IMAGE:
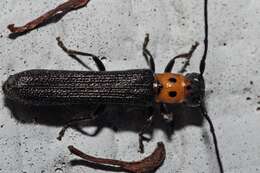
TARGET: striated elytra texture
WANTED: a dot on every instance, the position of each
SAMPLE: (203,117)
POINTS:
(55,87)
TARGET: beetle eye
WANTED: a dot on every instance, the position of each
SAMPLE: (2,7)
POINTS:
(172,93)
(189,87)
(173,80)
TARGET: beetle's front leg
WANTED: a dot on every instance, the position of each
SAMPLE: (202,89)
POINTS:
(187,56)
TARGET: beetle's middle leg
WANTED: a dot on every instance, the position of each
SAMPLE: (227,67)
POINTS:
(73,53)
(169,118)
(147,55)
(166,114)
(148,124)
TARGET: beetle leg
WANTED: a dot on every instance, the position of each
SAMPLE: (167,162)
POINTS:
(147,55)
(73,53)
(148,124)
(187,56)
(166,114)
(84,120)
(73,123)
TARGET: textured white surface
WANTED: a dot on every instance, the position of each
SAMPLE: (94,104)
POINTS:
(115,29)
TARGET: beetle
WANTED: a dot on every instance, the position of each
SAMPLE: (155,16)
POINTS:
(131,87)
(137,87)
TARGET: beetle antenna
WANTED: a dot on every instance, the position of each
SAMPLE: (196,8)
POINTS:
(202,69)
(203,60)
(212,130)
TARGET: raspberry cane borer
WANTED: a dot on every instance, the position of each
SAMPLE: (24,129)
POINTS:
(131,87)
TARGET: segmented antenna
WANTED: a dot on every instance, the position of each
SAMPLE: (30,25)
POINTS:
(202,69)
(203,60)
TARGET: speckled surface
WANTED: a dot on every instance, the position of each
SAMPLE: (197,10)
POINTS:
(116,29)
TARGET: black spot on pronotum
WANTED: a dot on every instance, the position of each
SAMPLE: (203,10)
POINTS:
(173,80)
(172,93)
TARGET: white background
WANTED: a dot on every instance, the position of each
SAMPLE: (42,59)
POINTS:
(116,29)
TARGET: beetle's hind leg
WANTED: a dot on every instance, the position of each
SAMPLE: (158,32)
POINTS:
(147,55)
(73,53)
(75,123)
(187,56)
